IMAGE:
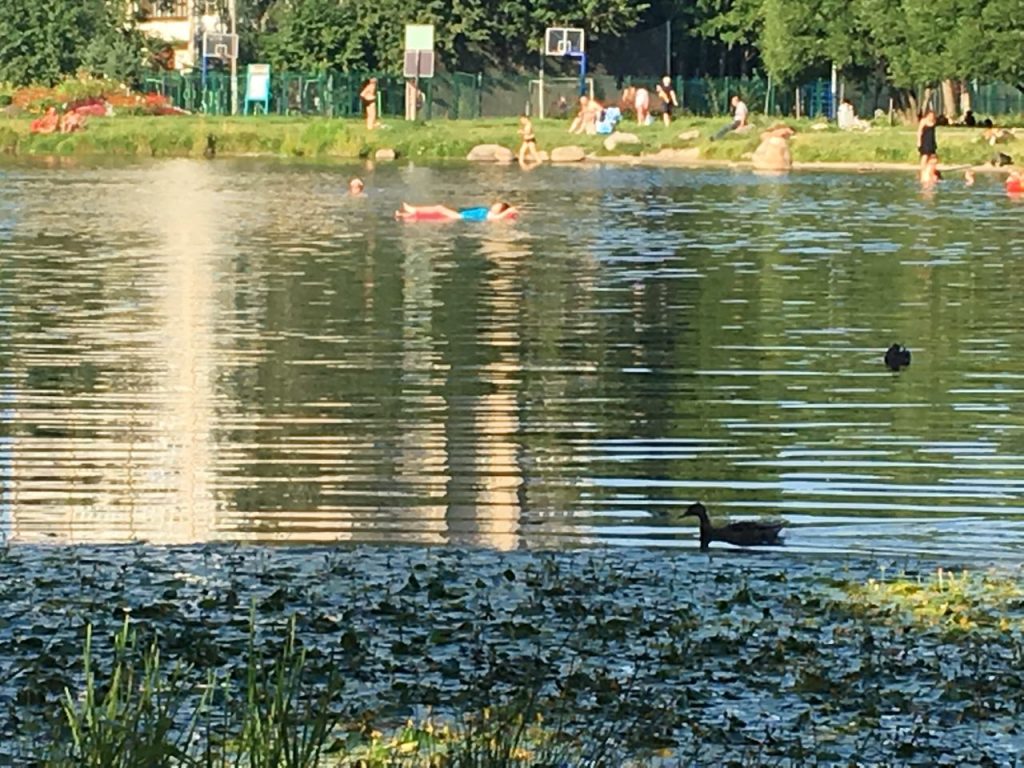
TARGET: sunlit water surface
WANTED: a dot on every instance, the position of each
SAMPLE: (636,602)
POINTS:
(231,350)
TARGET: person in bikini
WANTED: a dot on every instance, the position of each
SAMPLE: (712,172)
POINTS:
(496,212)
(528,154)
(368,96)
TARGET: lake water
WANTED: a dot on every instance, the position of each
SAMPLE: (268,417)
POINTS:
(236,350)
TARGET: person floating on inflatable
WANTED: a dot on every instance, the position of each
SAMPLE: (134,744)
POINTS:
(1014,183)
(497,212)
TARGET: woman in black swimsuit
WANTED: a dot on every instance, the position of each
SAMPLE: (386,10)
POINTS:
(926,144)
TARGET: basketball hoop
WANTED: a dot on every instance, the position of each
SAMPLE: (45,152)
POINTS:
(218,45)
(564,42)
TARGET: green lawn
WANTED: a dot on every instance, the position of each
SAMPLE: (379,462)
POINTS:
(348,138)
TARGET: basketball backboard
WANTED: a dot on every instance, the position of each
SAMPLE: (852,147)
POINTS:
(564,41)
(217,45)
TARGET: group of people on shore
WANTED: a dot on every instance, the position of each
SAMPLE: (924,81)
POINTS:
(638,100)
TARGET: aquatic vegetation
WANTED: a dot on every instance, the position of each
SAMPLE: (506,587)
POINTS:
(321,657)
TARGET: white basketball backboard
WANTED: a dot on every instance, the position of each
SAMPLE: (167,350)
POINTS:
(220,46)
(564,41)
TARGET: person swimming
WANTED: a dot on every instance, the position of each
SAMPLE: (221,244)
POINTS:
(496,212)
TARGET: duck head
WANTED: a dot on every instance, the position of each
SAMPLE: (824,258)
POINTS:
(697,510)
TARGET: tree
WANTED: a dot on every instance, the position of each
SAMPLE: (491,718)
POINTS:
(42,41)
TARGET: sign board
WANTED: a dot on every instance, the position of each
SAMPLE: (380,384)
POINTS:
(419,37)
(418,64)
(257,86)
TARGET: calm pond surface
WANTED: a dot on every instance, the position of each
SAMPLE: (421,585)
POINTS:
(236,350)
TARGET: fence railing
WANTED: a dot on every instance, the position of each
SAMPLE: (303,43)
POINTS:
(462,95)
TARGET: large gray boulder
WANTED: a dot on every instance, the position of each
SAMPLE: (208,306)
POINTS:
(772,154)
(384,155)
(618,138)
(570,154)
(491,153)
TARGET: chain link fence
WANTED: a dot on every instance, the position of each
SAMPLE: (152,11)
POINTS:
(461,96)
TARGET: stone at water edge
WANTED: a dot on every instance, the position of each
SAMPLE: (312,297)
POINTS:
(618,138)
(772,155)
(691,135)
(384,155)
(490,153)
(570,154)
(687,155)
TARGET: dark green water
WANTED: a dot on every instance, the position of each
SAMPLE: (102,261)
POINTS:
(197,351)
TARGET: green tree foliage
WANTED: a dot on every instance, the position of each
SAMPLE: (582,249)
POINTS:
(469,34)
(42,41)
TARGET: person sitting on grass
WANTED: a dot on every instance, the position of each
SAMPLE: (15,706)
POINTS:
(496,212)
(588,117)
(740,114)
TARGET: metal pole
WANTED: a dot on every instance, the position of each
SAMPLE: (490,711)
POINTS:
(234,57)
(668,47)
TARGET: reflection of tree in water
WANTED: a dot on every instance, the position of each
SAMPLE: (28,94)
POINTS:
(483,396)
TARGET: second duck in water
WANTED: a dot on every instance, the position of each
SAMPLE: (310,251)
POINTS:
(744,533)
(897,356)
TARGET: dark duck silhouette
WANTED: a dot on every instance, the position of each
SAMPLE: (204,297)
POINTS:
(210,151)
(745,533)
(897,356)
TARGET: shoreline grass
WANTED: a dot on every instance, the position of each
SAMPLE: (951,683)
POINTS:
(325,138)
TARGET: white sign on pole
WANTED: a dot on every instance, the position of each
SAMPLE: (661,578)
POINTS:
(419,37)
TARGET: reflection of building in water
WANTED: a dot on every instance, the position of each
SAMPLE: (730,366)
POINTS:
(130,457)
(486,475)
(422,444)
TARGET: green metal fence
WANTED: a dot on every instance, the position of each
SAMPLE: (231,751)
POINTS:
(460,95)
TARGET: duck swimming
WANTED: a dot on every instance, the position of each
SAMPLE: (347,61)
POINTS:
(897,356)
(745,533)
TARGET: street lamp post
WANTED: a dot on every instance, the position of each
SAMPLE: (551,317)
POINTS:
(234,58)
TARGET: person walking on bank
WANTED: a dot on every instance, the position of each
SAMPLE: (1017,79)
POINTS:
(369,98)
(927,147)
(667,94)
(528,154)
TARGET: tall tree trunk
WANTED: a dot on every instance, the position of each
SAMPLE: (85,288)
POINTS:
(965,97)
(949,105)
(906,105)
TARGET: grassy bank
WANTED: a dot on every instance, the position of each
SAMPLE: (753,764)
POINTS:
(348,139)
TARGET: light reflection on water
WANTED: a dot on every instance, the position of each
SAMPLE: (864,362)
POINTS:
(237,350)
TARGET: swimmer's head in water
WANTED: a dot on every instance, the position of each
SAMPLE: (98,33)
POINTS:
(499,208)
(356,186)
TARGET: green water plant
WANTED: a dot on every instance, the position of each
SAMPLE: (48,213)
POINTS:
(134,719)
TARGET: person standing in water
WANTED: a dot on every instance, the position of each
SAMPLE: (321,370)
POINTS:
(927,147)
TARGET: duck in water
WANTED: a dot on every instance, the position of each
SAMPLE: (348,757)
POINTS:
(897,357)
(745,533)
